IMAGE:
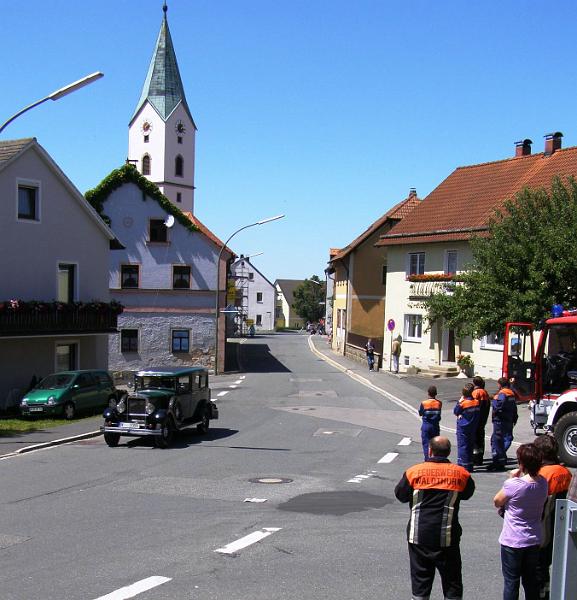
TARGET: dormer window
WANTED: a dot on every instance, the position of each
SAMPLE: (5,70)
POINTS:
(178,166)
(146,139)
(146,164)
(179,139)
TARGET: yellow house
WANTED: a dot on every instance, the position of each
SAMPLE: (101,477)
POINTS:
(431,246)
(285,315)
(359,274)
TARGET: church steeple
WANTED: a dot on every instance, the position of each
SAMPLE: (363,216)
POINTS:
(161,132)
(163,86)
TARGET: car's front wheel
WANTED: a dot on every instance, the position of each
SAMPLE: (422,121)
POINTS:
(166,434)
(204,425)
(69,411)
(111,439)
(566,436)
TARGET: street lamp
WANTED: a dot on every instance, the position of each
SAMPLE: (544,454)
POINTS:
(68,89)
(217,301)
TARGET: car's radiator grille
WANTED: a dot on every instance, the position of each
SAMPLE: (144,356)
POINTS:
(136,406)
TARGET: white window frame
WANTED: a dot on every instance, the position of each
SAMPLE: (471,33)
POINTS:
(258,321)
(261,297)
(447,253)
(485,345)
(420,267)
(67,342)
(406,327)
(37,185)
(76,277)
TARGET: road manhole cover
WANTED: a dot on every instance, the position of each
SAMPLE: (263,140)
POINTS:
(270,480)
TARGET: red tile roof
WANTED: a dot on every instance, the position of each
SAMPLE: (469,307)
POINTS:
(464,202)
(393,215)
(206,231)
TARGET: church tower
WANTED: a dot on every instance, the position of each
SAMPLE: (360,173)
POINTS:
(161,133)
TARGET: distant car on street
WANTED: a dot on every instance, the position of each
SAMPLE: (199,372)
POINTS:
(164,400)
(68,392)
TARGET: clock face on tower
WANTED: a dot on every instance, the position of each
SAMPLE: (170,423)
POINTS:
(146,127)
(180,128)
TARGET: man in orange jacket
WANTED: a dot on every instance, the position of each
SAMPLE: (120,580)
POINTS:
(434,490)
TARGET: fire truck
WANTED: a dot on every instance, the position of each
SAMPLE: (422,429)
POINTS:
(546,376)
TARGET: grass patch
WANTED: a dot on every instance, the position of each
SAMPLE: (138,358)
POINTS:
(17,426)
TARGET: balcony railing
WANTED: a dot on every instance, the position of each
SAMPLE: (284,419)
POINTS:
(18,318)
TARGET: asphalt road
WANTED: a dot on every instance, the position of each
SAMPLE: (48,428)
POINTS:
(84,521)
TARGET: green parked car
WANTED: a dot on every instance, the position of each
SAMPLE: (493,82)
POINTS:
(69,392)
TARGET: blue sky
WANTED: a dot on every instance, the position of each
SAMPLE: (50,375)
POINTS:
(326,111)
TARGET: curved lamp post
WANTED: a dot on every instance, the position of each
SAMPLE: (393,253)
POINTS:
(217,301)
(68,89)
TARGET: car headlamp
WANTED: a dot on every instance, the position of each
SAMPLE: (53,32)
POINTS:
(149,408)
(112,403)
(51,401)
(121,406)
(24,402)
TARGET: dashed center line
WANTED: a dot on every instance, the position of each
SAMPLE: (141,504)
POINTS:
(136,588)
(389,457)
(242,377)
(238,381)
(222,393)
(247,540)
(406,441)
(232,387)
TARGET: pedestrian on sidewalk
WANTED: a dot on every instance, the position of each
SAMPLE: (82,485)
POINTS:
(467,412)
(370,352)
(520,501)
(430,412)
(396,352)
(480,394)
(558,479)
(504,417)
(434,490)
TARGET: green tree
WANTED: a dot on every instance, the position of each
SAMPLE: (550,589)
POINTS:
(309,299)
(527,263)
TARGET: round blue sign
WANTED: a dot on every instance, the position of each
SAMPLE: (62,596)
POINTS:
(391,325)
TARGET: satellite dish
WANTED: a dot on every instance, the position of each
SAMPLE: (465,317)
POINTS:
(169,221)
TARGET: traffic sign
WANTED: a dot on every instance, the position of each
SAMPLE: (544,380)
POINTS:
(391,325)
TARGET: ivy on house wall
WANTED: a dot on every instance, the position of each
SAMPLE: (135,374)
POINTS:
(129,174)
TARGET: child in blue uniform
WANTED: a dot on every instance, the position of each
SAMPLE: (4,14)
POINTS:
(430,411)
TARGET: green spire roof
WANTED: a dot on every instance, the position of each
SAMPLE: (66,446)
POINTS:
(163,87)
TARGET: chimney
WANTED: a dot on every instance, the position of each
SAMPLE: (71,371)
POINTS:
(523,147)
(552,142)
(412,192)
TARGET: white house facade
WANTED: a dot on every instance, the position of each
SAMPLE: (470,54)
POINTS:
(54,299)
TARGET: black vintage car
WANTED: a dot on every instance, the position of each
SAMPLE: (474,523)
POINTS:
(163,401)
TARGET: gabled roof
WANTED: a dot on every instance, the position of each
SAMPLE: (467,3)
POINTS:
(463,204)
(163,86)
(394,215)
(11,148)
(245,259)
(207,232)
(288,286)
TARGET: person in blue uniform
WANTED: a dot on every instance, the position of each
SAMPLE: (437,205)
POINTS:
(467,412)
(430,412)
(504,417)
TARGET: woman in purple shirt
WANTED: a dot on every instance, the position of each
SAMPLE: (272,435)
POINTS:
(520,501)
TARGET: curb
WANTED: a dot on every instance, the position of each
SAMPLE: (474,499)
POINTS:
(59,442)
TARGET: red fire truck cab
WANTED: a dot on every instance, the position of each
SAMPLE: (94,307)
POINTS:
(546,377)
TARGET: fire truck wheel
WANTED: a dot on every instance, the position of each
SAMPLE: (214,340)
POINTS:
(566,436)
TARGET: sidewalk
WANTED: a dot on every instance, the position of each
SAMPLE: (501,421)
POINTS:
(412,389)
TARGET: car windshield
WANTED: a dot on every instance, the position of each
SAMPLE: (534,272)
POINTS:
(154,382)
(54,382)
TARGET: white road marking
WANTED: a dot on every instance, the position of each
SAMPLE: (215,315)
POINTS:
(404,442)
(359,478)
(232,386)
(238,381)
(242,377)
(136,588)
(247,540)
(389,457)
(255,500)
(222,393)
